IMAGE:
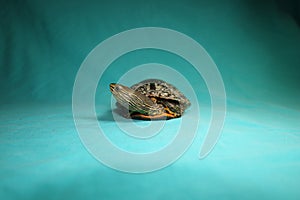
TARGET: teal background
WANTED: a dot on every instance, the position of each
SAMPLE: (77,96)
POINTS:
(256,46)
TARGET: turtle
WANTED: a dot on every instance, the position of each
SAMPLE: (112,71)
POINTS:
(151,99)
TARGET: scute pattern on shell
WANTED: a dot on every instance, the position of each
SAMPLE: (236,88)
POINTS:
(160,89)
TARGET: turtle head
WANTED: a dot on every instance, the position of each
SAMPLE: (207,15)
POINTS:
(134,101)
(122,94)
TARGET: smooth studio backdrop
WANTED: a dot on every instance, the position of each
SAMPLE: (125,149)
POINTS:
(256,46)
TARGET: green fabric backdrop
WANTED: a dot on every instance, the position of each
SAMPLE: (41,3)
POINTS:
(256,46)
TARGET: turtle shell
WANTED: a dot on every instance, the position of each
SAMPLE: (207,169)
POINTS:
(163,93)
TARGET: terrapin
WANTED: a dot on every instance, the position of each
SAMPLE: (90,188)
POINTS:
(150,99)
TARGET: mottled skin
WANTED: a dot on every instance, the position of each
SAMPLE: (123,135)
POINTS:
(150,99)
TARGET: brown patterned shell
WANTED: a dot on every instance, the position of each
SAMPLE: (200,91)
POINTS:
(158,89)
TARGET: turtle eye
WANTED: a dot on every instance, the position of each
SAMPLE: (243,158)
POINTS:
(117,88)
